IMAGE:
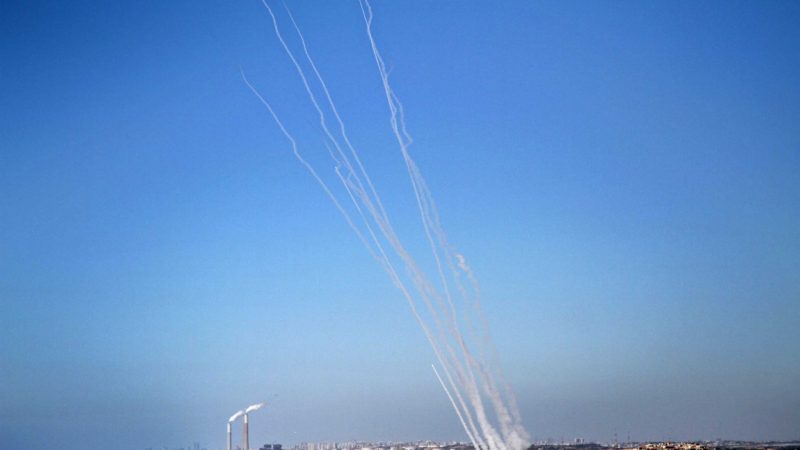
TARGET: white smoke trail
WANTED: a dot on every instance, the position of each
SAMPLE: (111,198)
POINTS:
(511,428)
(462,370)
(354,189)
(455,407)
(308,166)
(332,105)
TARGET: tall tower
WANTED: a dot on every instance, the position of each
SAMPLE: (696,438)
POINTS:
(247,412)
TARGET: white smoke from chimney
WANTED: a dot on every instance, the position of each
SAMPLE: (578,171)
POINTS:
(252,408)
(235,416)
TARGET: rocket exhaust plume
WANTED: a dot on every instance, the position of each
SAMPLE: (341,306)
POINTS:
(455,407)
(447,309)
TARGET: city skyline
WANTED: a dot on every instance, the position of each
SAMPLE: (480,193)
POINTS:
(545,444)
(620,176)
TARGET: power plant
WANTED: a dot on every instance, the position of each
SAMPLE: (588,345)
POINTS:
(245,431)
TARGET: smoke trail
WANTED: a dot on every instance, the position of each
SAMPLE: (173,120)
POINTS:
(355,190)
(458,411)
(509,420)
(469,378)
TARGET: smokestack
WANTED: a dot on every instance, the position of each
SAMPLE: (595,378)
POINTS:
(231,420)
(246,434)
(247,411)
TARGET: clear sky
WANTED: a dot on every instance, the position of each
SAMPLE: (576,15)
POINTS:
(623,177)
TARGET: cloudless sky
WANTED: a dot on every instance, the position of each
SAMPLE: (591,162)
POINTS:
(623,177)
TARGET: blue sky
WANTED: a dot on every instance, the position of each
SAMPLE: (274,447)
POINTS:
(621,175)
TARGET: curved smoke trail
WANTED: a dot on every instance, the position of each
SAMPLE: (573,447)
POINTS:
(440,312)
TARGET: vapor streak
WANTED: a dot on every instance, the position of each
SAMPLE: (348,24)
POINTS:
(471,379)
